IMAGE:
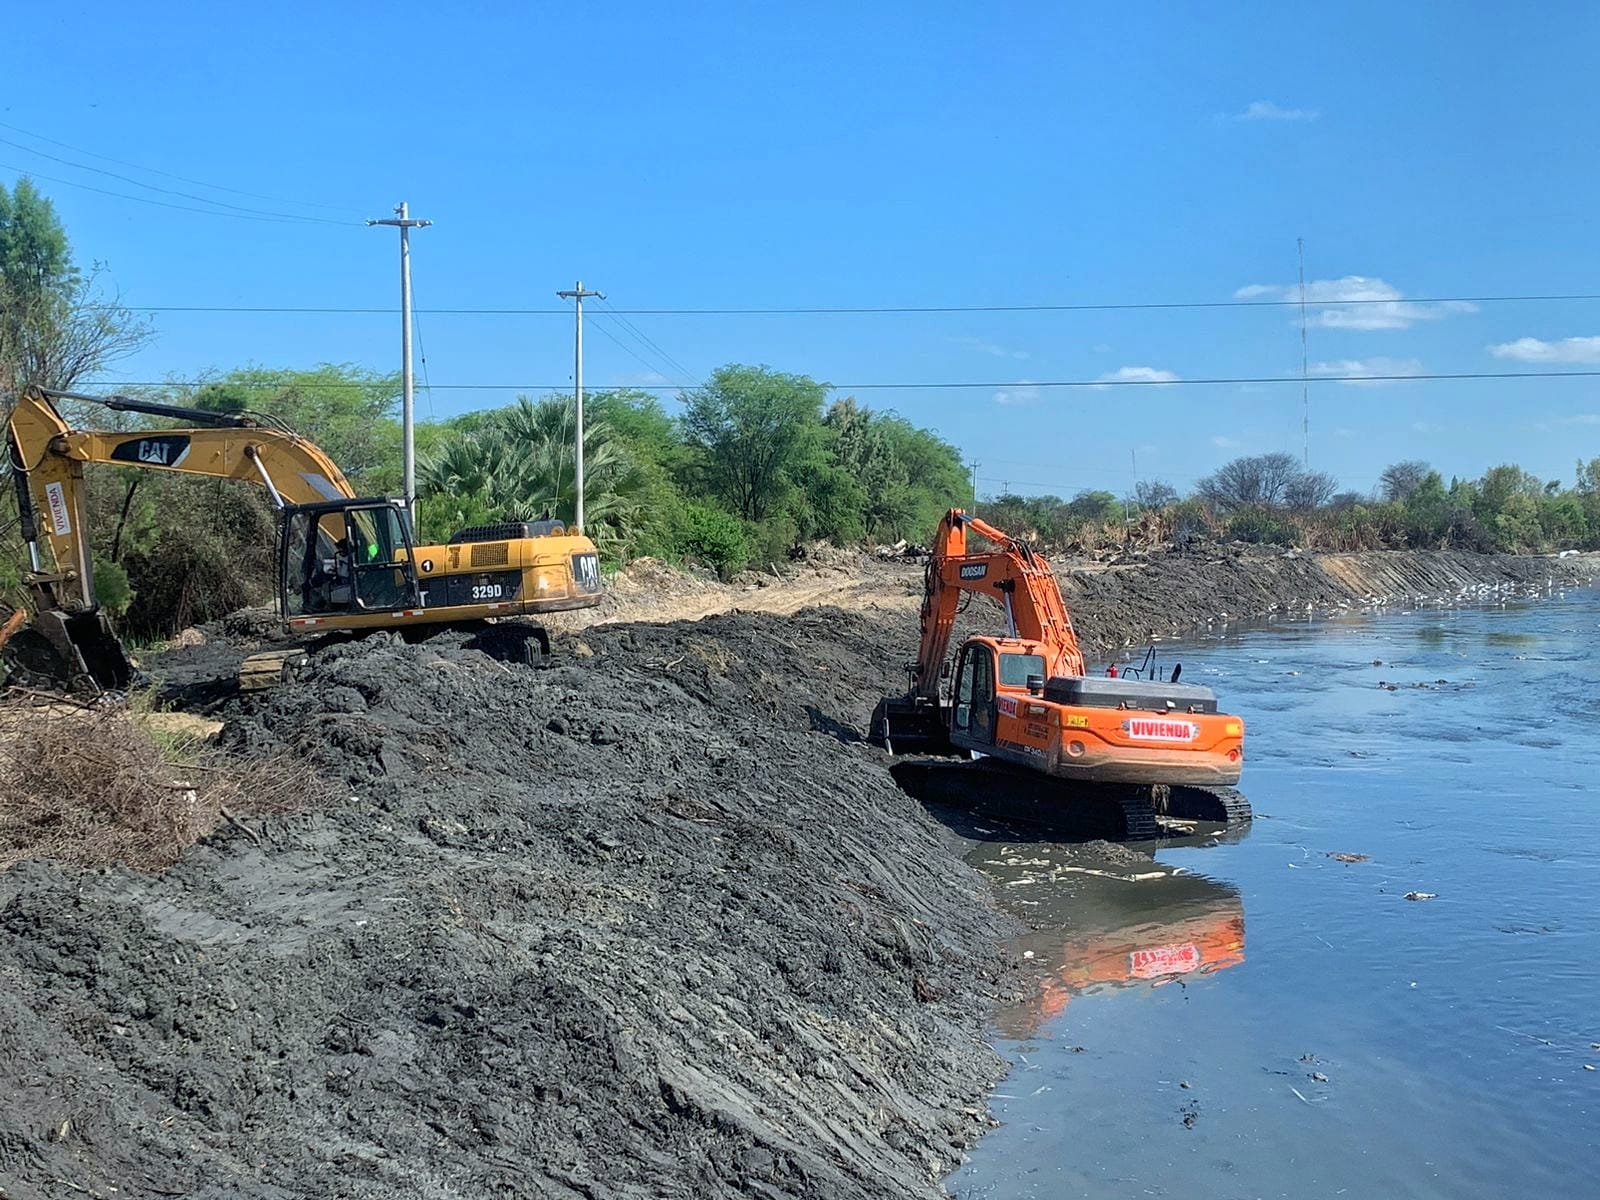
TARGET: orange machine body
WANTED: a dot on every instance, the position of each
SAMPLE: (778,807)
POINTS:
(1137,741)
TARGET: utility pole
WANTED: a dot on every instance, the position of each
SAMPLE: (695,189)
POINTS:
(403,221)
(579,294)
(1305,362)
(972,469)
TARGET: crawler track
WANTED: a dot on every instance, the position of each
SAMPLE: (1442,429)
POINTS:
(1222,805)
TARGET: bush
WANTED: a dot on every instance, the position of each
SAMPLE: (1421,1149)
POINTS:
(112,590)
(102,786)
(710,536)
(771,540)
(1258,526)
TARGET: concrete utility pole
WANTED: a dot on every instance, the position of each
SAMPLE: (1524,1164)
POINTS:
(1305,356)
(579,294)
(403,221)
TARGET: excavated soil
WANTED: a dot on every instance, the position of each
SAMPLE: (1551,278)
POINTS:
(652,923)
(655,922)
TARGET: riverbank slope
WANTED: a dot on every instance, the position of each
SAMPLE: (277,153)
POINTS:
(655,922)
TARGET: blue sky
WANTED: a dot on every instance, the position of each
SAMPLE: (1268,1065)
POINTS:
(930,154)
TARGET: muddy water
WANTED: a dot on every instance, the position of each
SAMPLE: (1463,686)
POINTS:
(1261,1019)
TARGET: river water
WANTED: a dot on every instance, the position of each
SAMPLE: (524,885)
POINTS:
(1259,1019)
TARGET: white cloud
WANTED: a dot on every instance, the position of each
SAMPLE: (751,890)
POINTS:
(1224,443)
(1138,375)
(1567,350)
(1266,110)
(1360,372)
(1426,427)
(1024,392)
(642,379)
(985,346)
(1356,302)
(1582,419)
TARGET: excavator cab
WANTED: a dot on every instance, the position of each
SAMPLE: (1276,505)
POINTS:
(346,557)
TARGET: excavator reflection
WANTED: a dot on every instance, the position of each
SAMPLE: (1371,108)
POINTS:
(1122,927)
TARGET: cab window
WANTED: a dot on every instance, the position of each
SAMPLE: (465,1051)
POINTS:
(1015,668)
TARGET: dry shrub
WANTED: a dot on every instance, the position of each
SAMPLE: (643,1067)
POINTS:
(96,787)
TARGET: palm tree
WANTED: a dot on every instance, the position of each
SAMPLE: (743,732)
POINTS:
(521,465)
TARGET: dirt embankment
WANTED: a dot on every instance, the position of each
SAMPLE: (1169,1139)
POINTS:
(655,922)
(652,923)
(1173,595)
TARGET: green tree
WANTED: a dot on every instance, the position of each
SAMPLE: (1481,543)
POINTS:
(520,464)
(54,327)
(349,411)
(756,428)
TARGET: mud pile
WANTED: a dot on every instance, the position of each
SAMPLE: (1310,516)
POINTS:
(654,922)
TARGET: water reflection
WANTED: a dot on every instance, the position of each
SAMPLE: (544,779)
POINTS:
(1103,925)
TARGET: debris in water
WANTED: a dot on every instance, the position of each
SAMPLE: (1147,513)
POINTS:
(1319,1077)
(1340,856)
(1184,1084)
(1421,895)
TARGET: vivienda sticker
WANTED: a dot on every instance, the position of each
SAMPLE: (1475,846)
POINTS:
(1164,960)
(56,497)
(1153,729)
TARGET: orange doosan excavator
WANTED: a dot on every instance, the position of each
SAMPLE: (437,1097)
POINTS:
(1150,745)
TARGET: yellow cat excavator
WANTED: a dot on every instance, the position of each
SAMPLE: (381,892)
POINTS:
(345,562)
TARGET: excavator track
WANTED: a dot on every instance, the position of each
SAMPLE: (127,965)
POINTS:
(1139,820)
(1194,802)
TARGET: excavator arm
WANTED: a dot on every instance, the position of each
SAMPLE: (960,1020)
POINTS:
(48,457)
(1009,573)
(70,639)
(1012,575)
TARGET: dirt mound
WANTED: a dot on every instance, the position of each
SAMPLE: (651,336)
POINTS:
(654,922)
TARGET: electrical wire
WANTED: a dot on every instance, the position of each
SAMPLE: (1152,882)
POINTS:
(215,187)
(653,368)
(237,208)
(944,385)
(869,310)
(210,212)
(677,367)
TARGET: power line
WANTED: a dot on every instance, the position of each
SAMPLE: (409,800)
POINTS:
(216,187)
(210,212)
(862,310)
(653,368)
(238,208)
(944,385)
(645,338)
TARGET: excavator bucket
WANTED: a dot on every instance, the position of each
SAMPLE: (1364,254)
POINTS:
(75,652)
(910,725)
